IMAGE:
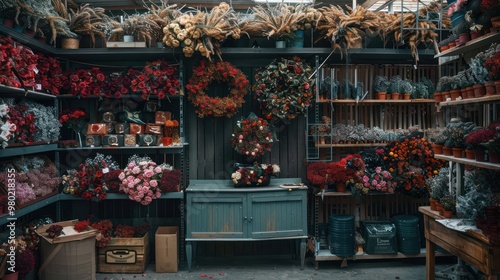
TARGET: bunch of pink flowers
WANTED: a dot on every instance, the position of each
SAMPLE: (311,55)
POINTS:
(141,180)
(380,181)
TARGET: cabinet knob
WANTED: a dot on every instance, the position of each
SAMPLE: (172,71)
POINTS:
(250,219)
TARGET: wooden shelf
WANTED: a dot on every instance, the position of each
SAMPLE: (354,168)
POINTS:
(375,101)
(488,165)
(484,99)
(122,196)
(482,41)
(350,145)
(26,150)
(6,91)
(131,150)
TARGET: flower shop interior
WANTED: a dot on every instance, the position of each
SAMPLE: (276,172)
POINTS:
(144,136)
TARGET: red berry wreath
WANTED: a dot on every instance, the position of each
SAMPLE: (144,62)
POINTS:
(252,137)
(207,72)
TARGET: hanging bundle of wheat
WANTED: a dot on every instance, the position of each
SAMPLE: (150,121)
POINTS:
(413,35)
(138,25)
(274,21)
(202,31)
(310,16)
(345,28)
(87,20)
(163,15)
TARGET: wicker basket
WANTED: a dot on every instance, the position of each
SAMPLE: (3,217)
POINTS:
(70,43)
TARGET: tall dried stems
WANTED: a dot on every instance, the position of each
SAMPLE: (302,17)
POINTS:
(274,21)
(163,15)
(143,28)
(87,20)
(345,28)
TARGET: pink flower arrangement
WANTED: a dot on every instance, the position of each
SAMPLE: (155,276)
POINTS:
(380,181)
(141,180)
(455,7)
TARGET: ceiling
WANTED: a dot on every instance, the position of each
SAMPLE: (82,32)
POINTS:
(244,4)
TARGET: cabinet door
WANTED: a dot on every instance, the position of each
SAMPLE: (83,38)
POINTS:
(215,217)
(277,214)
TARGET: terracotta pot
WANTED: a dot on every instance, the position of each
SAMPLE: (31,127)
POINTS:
(11,276)
(474,35)
(438,148)
(7,22)
(457,152)
(406,96)
(447,214)
(447,151)
(470,92)
(438,96)
(464,38)
(490,88)
(494,157)
(479,155)
(381,95)
(479,90)
(340,187)
(433,202)
(455,94)
(388,97)
(497,87)
(395,96)
(463,93)
(444,48)
(439,208)
(495,22)
(469,154)
(446,95)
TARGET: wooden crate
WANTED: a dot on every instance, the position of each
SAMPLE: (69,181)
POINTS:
(124,255)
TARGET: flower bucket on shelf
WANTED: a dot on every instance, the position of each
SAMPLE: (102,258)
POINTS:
(70,43)
(298,41)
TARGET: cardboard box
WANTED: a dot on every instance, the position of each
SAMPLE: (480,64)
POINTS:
(68,256)
(125,255)
(167,254)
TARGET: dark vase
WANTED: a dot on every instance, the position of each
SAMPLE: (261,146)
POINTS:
(494,157)
(479,155)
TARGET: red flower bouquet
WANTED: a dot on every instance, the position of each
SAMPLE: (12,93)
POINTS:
(117,85)
(492,64)
(24,123)
(105,228)
(256,175)
(74,119)
(18,64)
(156,79)
(50,74)
(85,82)
(319,174)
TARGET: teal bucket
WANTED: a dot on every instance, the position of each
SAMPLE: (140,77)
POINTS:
(457,18)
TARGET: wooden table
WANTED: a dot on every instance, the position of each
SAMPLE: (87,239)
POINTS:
(472,247)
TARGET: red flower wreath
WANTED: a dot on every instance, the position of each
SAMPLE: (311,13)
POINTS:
(203,75)
(252,137)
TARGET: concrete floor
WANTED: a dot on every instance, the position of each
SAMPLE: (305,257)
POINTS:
(265,268)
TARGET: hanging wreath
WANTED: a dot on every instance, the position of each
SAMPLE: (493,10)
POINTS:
(284,89)
(252,137)
(226,106)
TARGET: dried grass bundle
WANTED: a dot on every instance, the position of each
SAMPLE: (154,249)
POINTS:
(163,15)
(143,28)
(87,20)
(203,31)
(345,28)
(274,21)
(410,36)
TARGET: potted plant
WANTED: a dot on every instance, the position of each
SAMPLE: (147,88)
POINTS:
(437,137)
(318,174)
(407,89)
(449,204)
(340,175)
(474,140)
(396,87)
(91,22)
(438,187)
(455,132)
(135,28)
(443,86)
(381,86)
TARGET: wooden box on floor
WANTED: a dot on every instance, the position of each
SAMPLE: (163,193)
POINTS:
(124,255)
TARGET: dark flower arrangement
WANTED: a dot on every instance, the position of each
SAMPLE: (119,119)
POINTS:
(25,257)
(318,174)
(118,84)
(74,119)
(24,122)
(340,173)
(82,225)
(492,64)
(475,138)
(156,79)
(18,64)
(85,82)
(112,180)
(106,230)
(284,89)
(252,137)
(256,175)
(54,231)
(170,180)
(50,74)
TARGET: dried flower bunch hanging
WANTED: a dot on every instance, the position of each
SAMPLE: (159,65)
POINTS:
(207,72)
(345,28)
(311,17)
(284,88)
(163,15)
(274,21)
(138,25)
(87,20)
(202,31)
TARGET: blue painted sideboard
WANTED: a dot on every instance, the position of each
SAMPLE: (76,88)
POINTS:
(217,211)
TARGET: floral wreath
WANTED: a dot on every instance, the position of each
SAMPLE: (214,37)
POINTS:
(284,88)
(226,106)
(252,137)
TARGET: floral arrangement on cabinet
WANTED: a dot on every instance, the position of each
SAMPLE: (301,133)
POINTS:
(26,259)
(254,175)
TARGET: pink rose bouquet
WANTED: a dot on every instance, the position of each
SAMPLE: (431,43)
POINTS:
(380,180)
(141,179)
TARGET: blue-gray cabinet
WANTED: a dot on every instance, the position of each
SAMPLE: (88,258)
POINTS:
(217,211)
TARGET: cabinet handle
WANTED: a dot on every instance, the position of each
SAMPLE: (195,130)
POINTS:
(245,218)
(251,218)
